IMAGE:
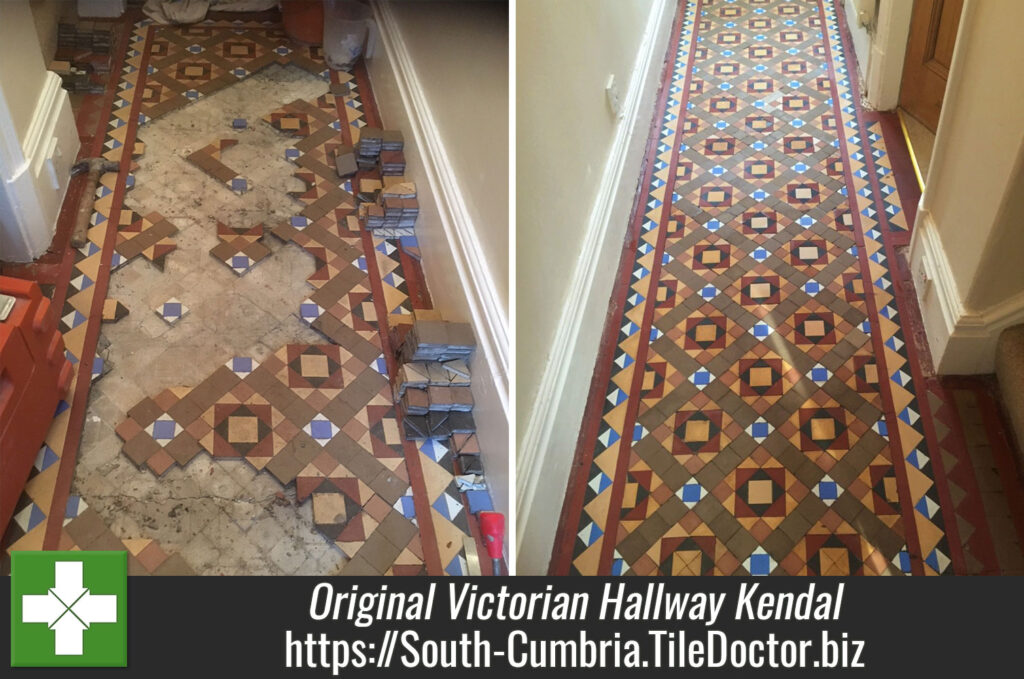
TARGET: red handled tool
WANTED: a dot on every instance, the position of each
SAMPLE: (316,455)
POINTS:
(492,527)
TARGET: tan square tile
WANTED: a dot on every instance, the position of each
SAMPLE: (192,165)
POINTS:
(706,333)
(243,429)
(814,328)
(314,365)
(759,492)
(760,377)
(823,428)
(697,431)
(760,290)
(329,508)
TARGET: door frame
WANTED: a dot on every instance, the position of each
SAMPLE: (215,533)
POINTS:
(884,73)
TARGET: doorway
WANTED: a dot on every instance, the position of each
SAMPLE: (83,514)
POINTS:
(933,30)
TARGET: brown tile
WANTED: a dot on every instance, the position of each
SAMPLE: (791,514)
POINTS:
(397,529)
(140,448)
(378,552)
(145,412)
(284,466)
(388,486)
(359,566)
(86,528)
(174,565)
(152,556)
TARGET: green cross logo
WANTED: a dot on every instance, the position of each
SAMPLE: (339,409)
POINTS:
(69,609)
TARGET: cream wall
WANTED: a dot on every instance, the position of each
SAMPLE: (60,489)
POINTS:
(966,252)
(564,53)
(440,74)
(38,138)
(461,53)
(577,171)
(21,63)
(47,14)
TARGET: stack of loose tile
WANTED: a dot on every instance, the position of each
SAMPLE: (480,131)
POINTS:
(421,401)
(415,402)
(467,450)
(403,190)
(437,424)
(369,148)
(432,387)
(438,341)
(394,212)
(391,140)
(412,376)
(83,37)
(392,162)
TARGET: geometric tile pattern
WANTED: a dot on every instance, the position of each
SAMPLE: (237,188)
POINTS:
(758,411)
(190,62)
(240,249)
(313,415)
(171,311)
(208,160)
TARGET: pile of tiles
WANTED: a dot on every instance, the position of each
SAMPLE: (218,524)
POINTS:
(395,212)
(438,341)
(83,36)
(381,150)
(432,389)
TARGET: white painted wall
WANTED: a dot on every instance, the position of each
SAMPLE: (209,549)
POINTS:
(38,138)
(967,245)
(440,74)
(577,172)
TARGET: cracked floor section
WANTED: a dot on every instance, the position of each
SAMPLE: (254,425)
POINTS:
(221,517)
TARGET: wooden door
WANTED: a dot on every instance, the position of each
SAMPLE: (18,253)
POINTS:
(933,28)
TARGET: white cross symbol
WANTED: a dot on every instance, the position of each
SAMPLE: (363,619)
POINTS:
(68,608)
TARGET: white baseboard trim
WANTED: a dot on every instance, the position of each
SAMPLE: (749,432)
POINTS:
(542,465)
(38,144)
(35,171)
(487,312)
(962,339)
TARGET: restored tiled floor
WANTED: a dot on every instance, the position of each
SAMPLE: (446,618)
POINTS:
(305,470)
(758,409)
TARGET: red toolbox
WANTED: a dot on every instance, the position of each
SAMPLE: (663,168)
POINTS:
(34,377)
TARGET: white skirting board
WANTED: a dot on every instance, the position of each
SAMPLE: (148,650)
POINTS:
(547,445)
(962,340)
(35,172)
(460,282)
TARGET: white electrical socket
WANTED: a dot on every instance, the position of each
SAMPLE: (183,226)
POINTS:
(611,90)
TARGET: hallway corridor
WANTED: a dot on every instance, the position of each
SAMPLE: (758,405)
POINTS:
(233,410)
(760,404)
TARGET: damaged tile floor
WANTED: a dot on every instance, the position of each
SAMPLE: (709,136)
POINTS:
(759,406)
(240,416)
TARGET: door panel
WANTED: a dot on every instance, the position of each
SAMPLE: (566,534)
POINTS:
(933,29)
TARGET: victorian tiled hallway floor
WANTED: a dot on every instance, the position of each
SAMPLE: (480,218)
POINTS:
(247,426)
(761,404)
